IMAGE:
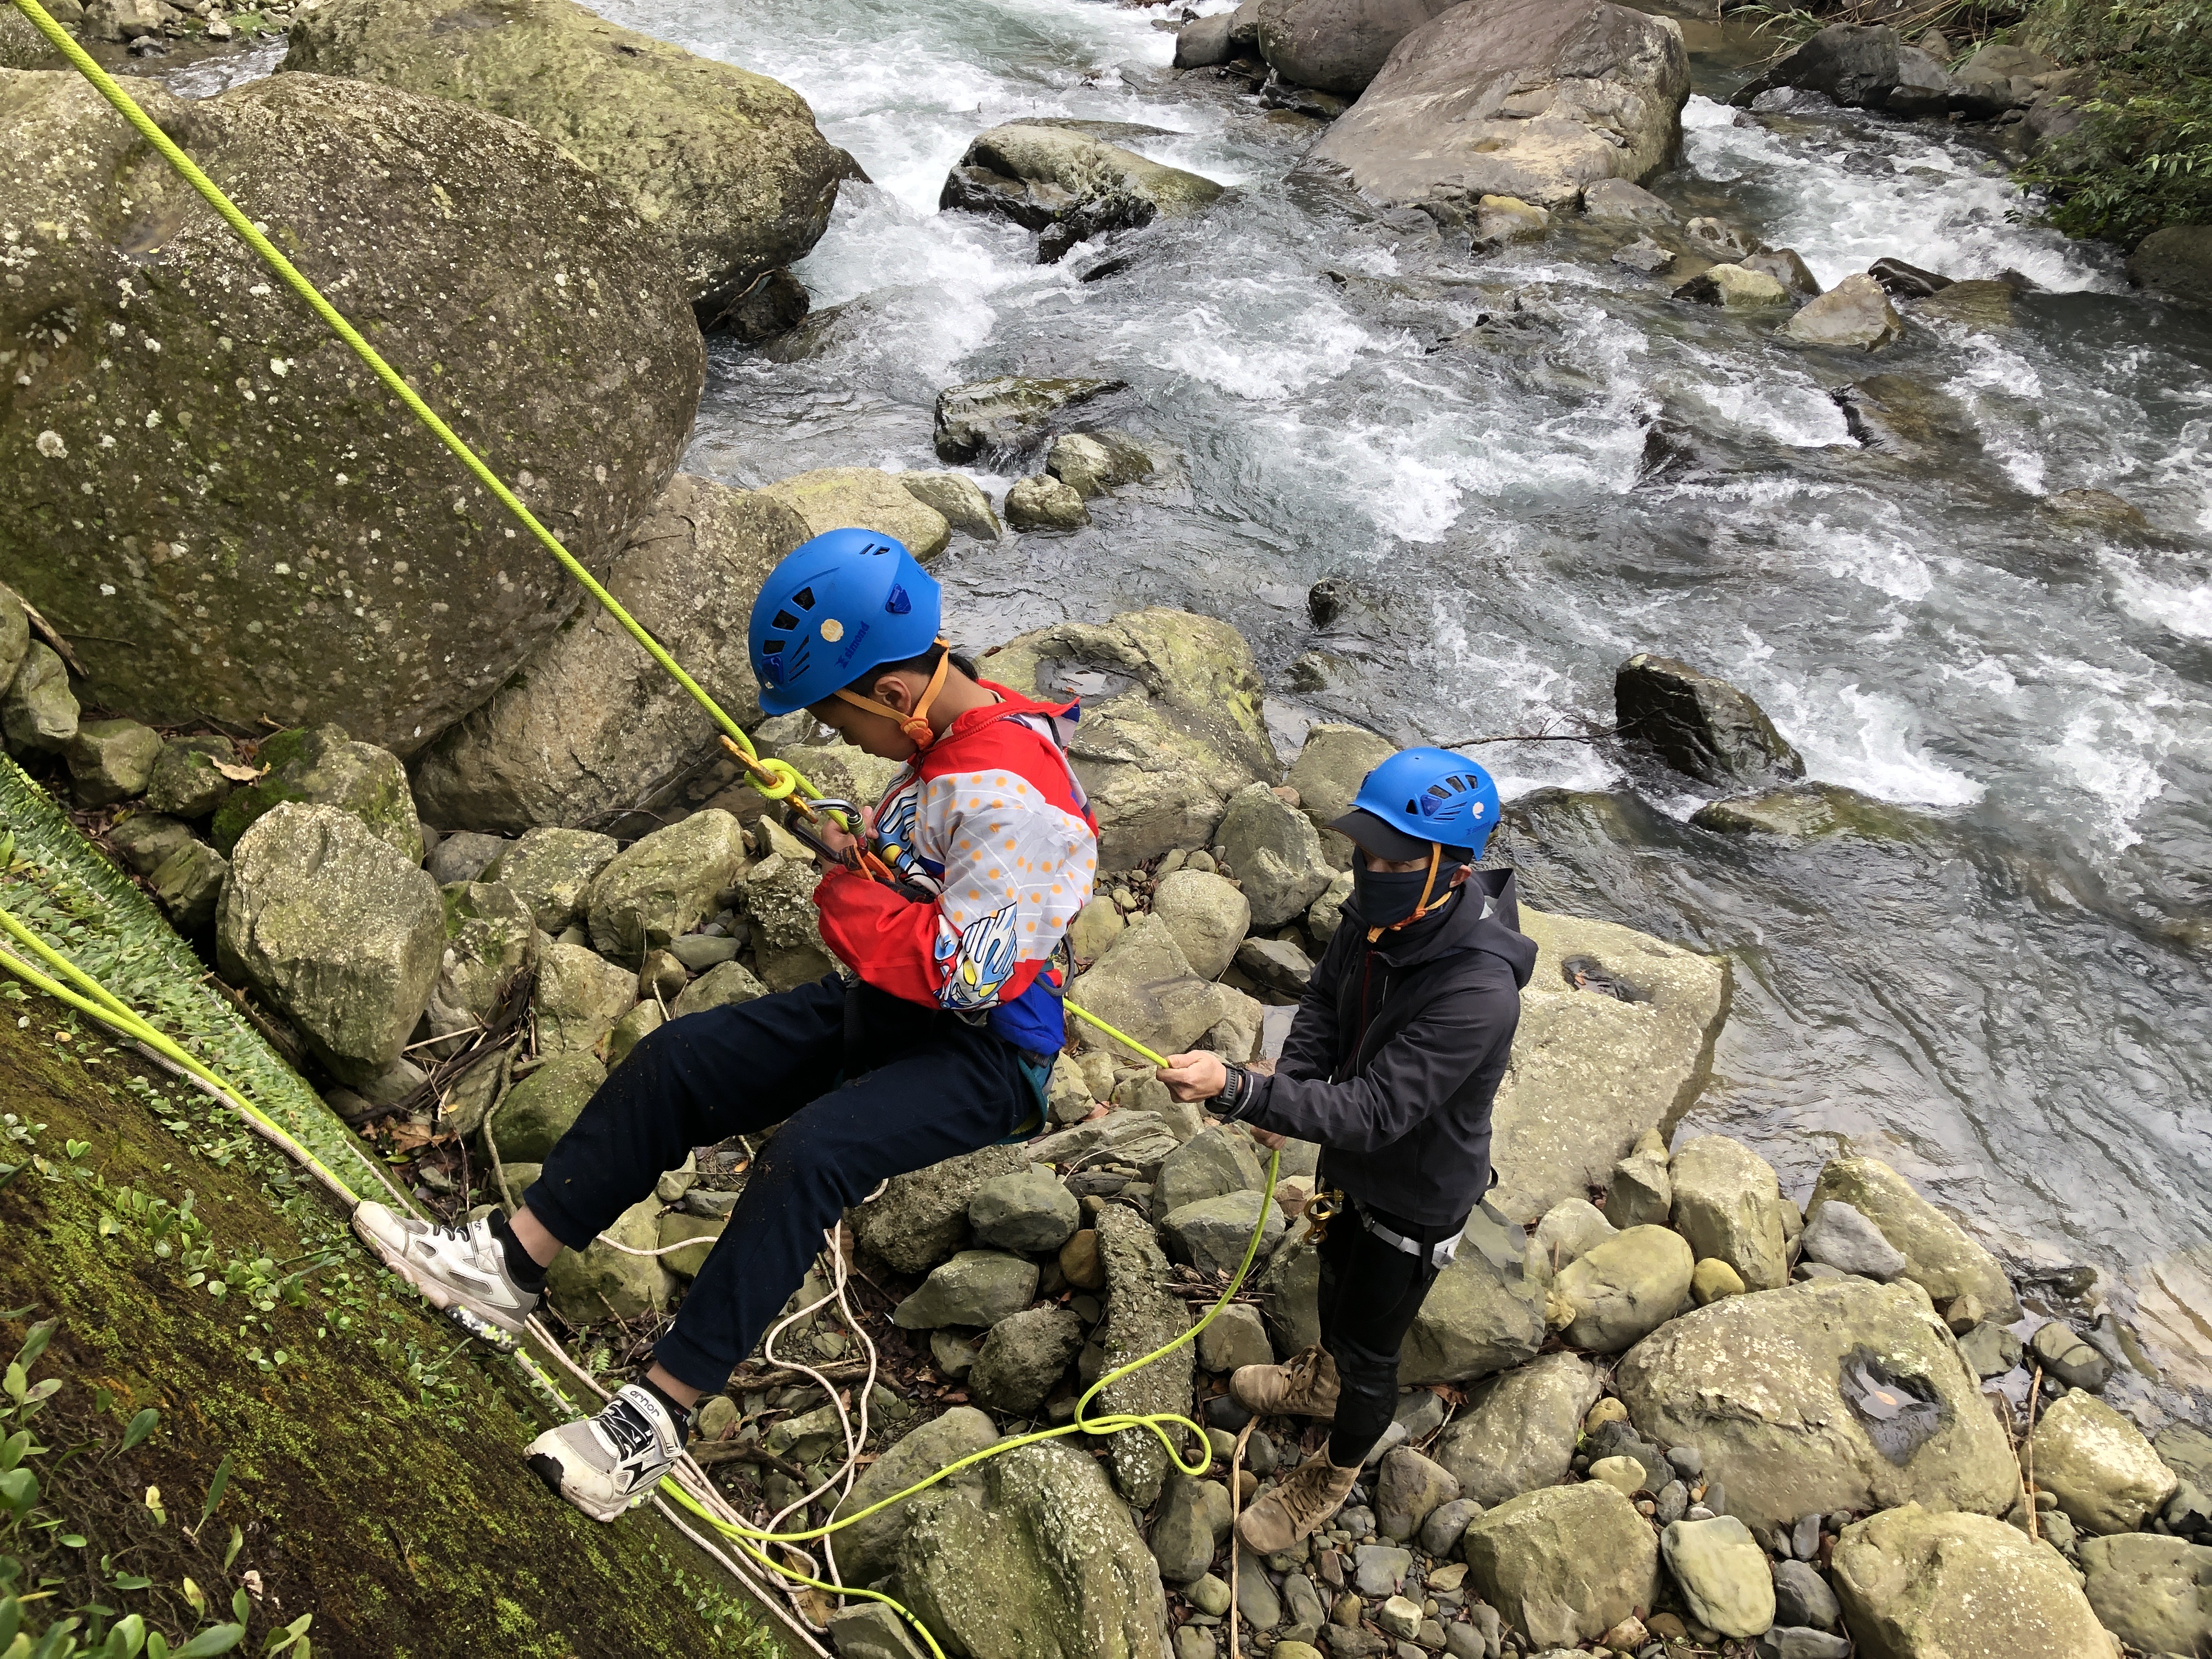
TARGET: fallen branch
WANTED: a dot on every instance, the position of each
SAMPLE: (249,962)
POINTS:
(47,632)
(850,1370)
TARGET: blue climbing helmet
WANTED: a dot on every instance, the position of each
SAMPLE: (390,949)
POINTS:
(1421,798)
(838,606)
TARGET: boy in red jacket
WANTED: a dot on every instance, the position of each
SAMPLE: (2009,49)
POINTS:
(940,1047)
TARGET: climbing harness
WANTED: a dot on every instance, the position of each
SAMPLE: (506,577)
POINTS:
(687,1486)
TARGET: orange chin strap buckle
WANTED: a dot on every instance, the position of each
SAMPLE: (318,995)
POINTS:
(915,725)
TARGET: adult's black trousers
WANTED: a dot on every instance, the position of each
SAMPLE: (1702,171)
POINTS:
(859,1086)
(1371,1292)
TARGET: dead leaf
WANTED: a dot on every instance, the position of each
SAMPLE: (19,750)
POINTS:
(238,773)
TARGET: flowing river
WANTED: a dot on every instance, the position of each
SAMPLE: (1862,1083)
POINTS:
(1530,466)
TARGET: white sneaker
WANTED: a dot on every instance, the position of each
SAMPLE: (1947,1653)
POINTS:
(461,1269)
(606,1464)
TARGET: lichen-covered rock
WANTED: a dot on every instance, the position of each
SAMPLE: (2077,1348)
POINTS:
(112,760)
(1208,914)
(272,541)
(661,888)
(727,164)
(186,782)
(1022,1356)
(778,894)
(580,995)
(589,726)
(1275,853)
(490,938)
(341,933)
(1171,724)
(922,1218)
(1044,503)
(1000,416)
(38,711)
(1763,1386)
(1700,726)
(1517,1431)
(1063,179)
(1591,1072)
(868,1549)
(538,1109)
(1141,1315)
(1337,45)
(1521,98)
(188,884)
(1043,1563)
(1939,1256)
(1144,986)
(1921,1585)
(1328,774)
(959,499)
(1483,1313)
(863,498)
(550,870)
(2152,1593)
(1625,1287)
(1564,1564)
(1729,1204)
(599,1280)
(2098,1465)
(325,767)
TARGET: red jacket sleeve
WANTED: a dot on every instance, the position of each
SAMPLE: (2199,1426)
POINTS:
(892,942)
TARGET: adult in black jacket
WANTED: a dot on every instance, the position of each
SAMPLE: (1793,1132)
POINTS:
(1393,1061)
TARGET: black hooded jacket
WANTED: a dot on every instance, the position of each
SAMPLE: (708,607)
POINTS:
(1397,1050)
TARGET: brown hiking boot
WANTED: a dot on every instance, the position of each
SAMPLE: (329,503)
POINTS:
(1304,1386)
(1297,1508)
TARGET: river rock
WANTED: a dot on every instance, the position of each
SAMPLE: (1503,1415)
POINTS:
(1212,1235)
(490,938)
(1624,1288)
(922,1218)
(188,885)
(870,1630)
(1858,67)
(1208,915)
(1757,1383)
(38,713)
(2175,261)
(1408,1489)
(1569,1229)
(662,887)
(974,1288)
(1236,1337)
(1699,725)
(1729,1204)
(1026,1210)
(1022,1356)
(2098,1465)
(234,602)
(580,995)
(591,727)
(1067,182)
(1171,726)
(1092,463)
(1203,43)
(1616,200)
(2152,1593)
(1289,1293)
(339,931)
(1722,1573)
(1788,267)
(1327,773)
(1803,1598)
(1849,1242)
(325,767)
(859,498)
(868,1549)
(632,1029)
(1215,1161)
(1854,315)
(1003,415)
(2062,1353)
(111,760)
(1042,1563)
(550,870)
(1939,1256)
(727,164)
(1194,1520)
(1480,1317)
(145,839)
(461,855)
(1276,963)
(1592,1071)
(1337,45)
(1516,98)
(1564,1565)
(1141,1315)
(1144,986)
(539,1109)
(1326,914)
(1275,853)
(1640,1193)
(1044,503)
(1733,288)
(599,1280)
(1517,1431)
(186,782)
(22,47)
(1917,1585)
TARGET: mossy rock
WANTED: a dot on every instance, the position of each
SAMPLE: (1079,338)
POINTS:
(324,767)
(240,524)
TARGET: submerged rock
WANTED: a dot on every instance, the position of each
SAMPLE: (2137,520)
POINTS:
(1854,315)
(1519,98)
(1806,811)
(1065,181)
(727,164)
(244,601)
(997,416)
(1699,725)
(1918,1585)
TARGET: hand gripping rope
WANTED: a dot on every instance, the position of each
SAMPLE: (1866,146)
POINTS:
(774,779)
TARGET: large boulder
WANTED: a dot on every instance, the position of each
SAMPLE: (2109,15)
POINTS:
(868,1549)
(1522,98)
(1338,45)
(727,164)
(1729,1204)
(1564,1565)
(590,725)
(324,767)
(1066,181)
(2098,1465)
(1517,1431)
(1625,1287)
(657,889)
(1042,1563)
(1919,1585)
(922,1217)
(1616,1034)
(1276,854)
(1861,67)
(859,498)
(1216,1160)
(1142,1313)
(1171,726)
(1939,1257)
(2152,1593)
(1328,774)
(340,933)
(1144,986)
(1483,1313)
(1699,725)
(1208,915)
(274,538)
(2176,262)
(1837,1394)
(550,870)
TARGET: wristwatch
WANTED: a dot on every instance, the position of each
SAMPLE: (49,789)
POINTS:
(1235,1090)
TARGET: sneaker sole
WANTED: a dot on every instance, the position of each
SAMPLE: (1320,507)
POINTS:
(547,1467)
(481,1319)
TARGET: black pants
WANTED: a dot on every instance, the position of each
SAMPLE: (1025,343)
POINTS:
(921,1086)
(1369,1294)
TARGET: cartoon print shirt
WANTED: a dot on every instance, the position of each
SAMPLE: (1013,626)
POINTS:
(991,821)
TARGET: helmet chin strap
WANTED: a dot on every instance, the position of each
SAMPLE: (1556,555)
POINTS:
(915,725)
(1436,859)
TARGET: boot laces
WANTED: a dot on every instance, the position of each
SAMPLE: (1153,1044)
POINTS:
(634,1439)
(1306,1496)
